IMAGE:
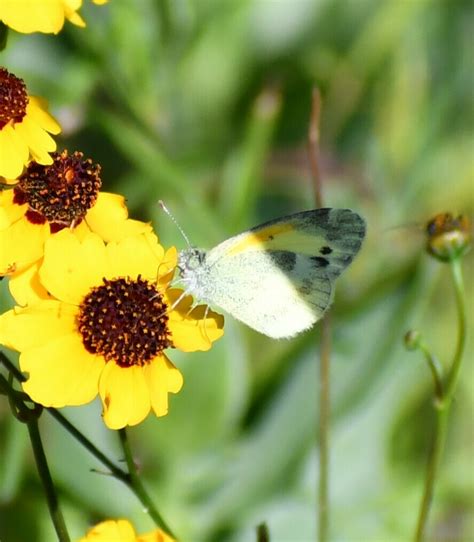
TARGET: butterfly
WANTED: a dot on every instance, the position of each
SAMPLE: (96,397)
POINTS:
(278,277)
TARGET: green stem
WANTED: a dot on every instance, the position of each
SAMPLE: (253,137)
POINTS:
(47,481)
(436,371)
(30,417)
(3,36)
(434,459)
(263,534)
(456,271)
(11,367)
(6,389)
(137,486)
(114,470)
(130,479)
(443,404)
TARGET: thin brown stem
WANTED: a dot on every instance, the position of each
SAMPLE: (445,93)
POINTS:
(313,146)
(325,352)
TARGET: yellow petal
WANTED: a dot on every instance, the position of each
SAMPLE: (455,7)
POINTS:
(111,531)
(33,326)
(162,378)
(192,329)
(109,218)
(32,15)
(13,152)
(71,268)
(155,536)
(43,158)
(72,5)
(9,212)
(137,255)
(124,395)
(167,267)
(21,245)
(26,287)
(74,17)
(37,111)
(38,140)
(61,372)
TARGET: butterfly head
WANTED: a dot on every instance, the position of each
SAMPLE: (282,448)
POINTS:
(193,272)
(190,259)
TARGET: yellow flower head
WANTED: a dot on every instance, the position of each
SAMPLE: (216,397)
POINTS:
(104,326)
(121,530)
(24,127)
(47,199)
(41,15)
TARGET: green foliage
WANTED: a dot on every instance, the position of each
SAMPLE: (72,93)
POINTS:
(206,105)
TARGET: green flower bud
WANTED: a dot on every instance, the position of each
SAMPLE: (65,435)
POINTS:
(412,339)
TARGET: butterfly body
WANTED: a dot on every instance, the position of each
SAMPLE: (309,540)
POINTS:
(277,277)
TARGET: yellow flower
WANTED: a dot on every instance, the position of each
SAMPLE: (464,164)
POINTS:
(121,530)
(47,199)
(24,127)
(105,325)
(41,15)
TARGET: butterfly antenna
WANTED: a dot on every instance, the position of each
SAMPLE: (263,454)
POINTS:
(168,212)
(405,226)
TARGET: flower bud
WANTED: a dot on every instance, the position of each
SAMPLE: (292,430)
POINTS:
(412,339)
(448,237)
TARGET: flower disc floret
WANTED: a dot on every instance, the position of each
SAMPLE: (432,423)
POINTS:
(25,126)
(49,198)
(13,98)
(124,321)
(60,193)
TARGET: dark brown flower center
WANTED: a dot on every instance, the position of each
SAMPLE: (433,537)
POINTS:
(60,194)
(125,321)
(13,98)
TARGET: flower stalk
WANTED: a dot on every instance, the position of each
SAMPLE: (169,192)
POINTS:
(30,417)
(448,240)
(48,484)
(3,36)
(130,478)
(325,349)
(137,486)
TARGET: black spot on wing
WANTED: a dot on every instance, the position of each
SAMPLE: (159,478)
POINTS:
(286,261)
(325,250)
(318,261)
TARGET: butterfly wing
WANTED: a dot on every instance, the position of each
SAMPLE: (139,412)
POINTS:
(278,277)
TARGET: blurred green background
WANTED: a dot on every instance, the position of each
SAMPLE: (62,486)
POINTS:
(205,104)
